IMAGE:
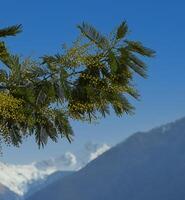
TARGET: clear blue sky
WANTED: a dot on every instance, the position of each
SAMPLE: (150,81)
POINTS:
(158,24)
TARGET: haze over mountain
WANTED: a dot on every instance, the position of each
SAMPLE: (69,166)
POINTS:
(147,166)
(20,181)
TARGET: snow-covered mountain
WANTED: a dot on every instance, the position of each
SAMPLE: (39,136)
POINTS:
(17,177)
(24,180)
(146,166)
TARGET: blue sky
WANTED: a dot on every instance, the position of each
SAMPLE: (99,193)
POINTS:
(158,24)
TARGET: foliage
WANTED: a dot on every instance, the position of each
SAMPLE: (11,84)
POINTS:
(83,82)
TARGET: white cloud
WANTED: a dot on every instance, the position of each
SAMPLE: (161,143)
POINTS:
(66,161)
(99,150)
(92,151)
(19,177)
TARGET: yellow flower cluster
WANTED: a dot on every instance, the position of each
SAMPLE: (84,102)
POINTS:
(10,108)
(93,62)
(119,105)
(39,117)
(74,57)
(124,74)
(114,88)
(3,51)
(94,80)
(114,77)
(81,106)
(104,84)
(78,55)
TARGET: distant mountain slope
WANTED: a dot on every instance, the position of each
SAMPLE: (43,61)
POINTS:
(24,180)
(147,166)
(6,194)
(40,184)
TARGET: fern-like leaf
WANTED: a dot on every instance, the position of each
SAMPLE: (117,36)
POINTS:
(139,48)
(122,30)
(10,30)
(93,35)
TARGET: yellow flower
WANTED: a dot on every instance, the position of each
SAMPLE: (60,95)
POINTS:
(11,108)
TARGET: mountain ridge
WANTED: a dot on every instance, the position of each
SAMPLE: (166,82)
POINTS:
(24,180)
(6,193)
(147,165)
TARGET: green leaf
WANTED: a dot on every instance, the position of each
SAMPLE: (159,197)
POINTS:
(139,48)
(3,52)
(122,30)
(93,35)
(11,30)
(113,62)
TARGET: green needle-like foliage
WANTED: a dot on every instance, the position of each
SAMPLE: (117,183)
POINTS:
(10,31)
(84,82)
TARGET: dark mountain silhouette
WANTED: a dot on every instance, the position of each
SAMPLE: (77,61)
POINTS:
(147,166)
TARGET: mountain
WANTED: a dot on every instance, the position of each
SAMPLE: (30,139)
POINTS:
(21,181)
(6,194)
(29,187)
(25,180)
(146,166)
(40,184)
